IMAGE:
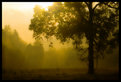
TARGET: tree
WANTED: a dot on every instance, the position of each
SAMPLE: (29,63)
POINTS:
(96,21)
(12,50)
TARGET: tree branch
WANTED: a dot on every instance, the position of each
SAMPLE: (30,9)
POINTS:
(97,5)
(110,6)
(95,42)
(87,4)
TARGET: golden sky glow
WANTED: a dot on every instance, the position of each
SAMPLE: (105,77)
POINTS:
(27,4)
(18,16)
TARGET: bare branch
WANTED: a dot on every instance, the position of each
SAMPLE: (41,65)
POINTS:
(86,3)
(97,5)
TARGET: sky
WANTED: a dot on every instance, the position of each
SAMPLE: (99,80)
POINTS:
(19,14)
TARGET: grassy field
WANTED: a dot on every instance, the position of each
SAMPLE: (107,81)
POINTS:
(60,74)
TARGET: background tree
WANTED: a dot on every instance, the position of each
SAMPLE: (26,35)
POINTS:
(97,21)
(12,50)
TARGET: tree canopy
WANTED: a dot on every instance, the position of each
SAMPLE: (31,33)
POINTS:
(97,21)
(71,21)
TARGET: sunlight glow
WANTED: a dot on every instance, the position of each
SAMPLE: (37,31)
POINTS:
(27,5)
(43,4)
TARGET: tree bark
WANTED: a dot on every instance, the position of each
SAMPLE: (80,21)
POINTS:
(90,56)
(91,39)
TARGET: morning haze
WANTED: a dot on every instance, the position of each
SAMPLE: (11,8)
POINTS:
(60,40)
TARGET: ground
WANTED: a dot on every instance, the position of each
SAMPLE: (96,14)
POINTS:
(60,74)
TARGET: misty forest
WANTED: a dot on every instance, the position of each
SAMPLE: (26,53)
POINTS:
(60,41)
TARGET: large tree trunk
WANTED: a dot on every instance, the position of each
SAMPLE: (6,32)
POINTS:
(90,57)
(91,39)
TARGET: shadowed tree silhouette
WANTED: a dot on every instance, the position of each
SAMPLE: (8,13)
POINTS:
(12,50)
(97,21)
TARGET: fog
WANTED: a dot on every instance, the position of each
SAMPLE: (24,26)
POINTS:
(24,57)
(19,55)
